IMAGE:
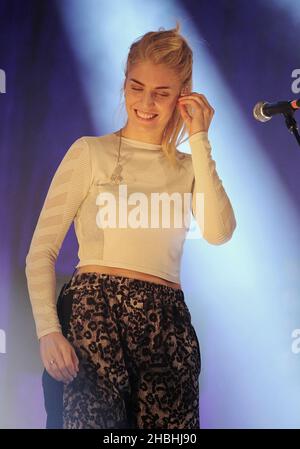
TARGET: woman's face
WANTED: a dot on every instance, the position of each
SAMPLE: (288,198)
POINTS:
(152,89)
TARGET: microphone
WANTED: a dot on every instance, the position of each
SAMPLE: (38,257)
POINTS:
(264,111)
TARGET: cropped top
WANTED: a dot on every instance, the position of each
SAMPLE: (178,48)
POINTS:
(81,191)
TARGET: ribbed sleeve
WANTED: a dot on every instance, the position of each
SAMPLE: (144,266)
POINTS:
(218,221)
(68,188)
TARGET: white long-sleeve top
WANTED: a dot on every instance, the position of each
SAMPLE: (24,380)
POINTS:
(78,191)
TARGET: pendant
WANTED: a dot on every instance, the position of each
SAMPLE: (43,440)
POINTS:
(116,177)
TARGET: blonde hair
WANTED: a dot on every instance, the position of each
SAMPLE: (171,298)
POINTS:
(170,48)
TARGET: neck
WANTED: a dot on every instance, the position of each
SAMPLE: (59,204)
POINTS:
(136,134)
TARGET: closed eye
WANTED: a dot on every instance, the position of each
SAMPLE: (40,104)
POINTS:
(162,95)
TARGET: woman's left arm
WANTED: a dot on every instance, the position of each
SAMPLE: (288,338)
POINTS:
(211,206)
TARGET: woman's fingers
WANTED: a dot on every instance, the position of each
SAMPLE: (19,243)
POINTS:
(69,365)
(205,101)
(56,348)
(184,112)
(61,368)
(198,98)
(75,360)
(55,372)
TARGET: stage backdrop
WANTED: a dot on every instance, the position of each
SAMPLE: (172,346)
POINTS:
(62,68)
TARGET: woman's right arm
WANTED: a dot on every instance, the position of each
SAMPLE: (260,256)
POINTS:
(69,186)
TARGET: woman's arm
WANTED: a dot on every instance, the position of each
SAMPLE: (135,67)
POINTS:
(214,214)
(67,190)
(218,223)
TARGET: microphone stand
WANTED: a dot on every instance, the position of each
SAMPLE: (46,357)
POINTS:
(292,124)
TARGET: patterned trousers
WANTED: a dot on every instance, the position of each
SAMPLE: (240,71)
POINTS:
(139,357)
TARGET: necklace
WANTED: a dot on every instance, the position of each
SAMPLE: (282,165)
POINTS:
(116,177)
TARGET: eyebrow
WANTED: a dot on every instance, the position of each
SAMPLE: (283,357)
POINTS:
(158,87)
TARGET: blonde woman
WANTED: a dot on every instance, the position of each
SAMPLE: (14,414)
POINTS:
(119,348)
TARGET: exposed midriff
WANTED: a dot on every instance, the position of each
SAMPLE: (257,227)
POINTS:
(127,273)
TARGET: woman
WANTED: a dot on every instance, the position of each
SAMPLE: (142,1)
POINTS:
(120,349)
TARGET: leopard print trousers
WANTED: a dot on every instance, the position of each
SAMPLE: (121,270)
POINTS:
(139,357)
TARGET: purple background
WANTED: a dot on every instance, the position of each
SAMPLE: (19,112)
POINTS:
(255,47)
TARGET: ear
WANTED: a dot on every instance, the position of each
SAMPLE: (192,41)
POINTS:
(185,90)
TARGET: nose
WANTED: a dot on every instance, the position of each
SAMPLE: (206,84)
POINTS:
(147,100)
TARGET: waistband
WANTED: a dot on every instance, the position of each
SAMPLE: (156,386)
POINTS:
(93,278)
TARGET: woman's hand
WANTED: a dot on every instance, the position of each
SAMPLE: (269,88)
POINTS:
(202,112)
(59,357)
